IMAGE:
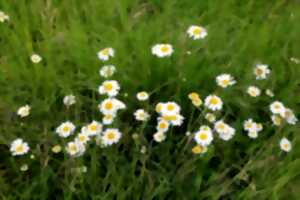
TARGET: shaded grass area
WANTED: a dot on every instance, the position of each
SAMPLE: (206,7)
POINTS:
(69,33)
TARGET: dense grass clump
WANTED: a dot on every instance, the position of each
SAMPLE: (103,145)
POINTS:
(49,60)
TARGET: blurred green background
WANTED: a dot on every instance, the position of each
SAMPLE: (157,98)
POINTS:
(69,33)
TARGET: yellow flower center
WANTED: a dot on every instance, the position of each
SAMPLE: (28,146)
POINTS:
(105,51)
(170,107)
(162,125)
(197,31)
(214,101)
(66,129)
(82,138)
(164,49)
(108,105)
(198,149)
(20,149)
(203,136)
(73,148)
(259,71)
(108,86)
(93,127)
(111,135)
(170,117)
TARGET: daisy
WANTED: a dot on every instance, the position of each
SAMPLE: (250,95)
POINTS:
(175,119)
(253,91)
(277,108)
(141,115)
(65,129)
(109,87)
(108,119)
(24,168)
(285,145)
(18,147)
(94,128)
(159,136)
(170,108)
(210,117)
(162,126)
(3,17)
(225,80)
(107,71)
(225,131)
(111,136)
(106,53)
(198,149)
(56,149)
(253,128)
(276,119)
(24,111)
(142,96)
(111,106)
(69,100)
(158,107)
(213,102)
(162,50)
(204,136)
(195,98)
(261,71)
(35,58)
(83,137)
(196,32)
(75,148)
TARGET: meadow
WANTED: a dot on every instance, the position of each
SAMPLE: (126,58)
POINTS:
(205,98)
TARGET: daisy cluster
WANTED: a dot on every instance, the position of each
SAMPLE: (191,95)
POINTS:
(105,133)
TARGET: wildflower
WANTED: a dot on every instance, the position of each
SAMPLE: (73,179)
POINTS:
(106,53)
(65,129)
(142,96)
(111,136)
(253,91)
(210,117)
(170,108)
(35,58)
(225,80)
(162,126)
(69,100)
(198,149)
(56,148)
(196,32)
(3,17)
(75,148)
(290,117)
(24,111)
(162,50)
(19,147)
(204,136)
(24,168)
(195,98)
(92,129)
(141,115)
(253,128)
(108,119)
(110,106)
(107,71)
(276,119)
(159,136)
(277,108)
(285,145)
(175,119)
(225,131)
(269,93)
(109,87)
(261,71)
(83,137)
(213,102)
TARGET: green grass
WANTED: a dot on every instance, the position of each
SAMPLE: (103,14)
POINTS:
(69,33)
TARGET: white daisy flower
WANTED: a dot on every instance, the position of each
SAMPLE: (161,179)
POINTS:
(107,71)
(19,147)
(106,53)
(290,117)
(196,32)
(210,117)
(162,126)
(110,106)
(252,134)
(111,136)
(75,148)
(24,111)
(253,128)
(213,102)
(94,128)
(108,119)
(159,136)
(141,115)
(170,108)
(175,120)
(142,96)
(225,80)
(83,137)
(69,100)
(3,17)
(253,91)
(277,108)
(65,129)
(285,145)
(204,136)
(225,131)
(261,71)
(35,58)
(109,87)
(162,50)
(195,98)
(276,119)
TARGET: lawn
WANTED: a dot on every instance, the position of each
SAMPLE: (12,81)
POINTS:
(135,159)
